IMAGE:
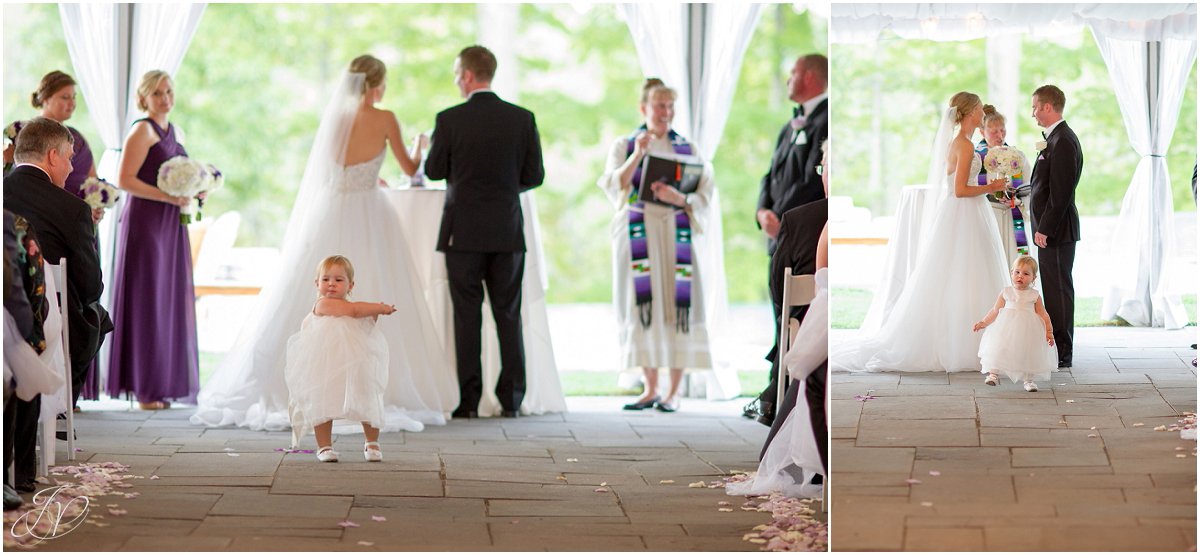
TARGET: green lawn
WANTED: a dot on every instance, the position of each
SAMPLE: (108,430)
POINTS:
(850,307)
(574,383)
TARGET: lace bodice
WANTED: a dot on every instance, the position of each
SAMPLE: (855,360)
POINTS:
(363,176)
(1020,300)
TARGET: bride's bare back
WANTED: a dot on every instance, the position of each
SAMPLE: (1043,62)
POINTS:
(373,130)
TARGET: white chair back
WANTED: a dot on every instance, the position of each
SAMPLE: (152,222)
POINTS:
(797,291)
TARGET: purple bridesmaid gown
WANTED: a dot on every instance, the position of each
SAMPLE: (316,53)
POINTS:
(154,353)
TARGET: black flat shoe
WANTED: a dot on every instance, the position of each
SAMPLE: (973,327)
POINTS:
(24,486)
(642,405)
(464,414)
(509,413)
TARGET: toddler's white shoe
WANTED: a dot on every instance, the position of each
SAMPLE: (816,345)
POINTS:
(1030,387)
(371,451)
(327,454)
(992,379)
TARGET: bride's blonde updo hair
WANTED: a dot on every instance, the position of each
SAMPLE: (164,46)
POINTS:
(964,103)
(372,68)
(653,88)
(992,116)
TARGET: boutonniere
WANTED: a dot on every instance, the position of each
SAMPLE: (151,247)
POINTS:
(798,122)
(1040,146)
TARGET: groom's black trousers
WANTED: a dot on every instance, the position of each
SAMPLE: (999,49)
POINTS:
(501,273)
(1056,262)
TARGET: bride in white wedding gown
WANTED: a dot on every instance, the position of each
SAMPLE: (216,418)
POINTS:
(959,262)
(340,209)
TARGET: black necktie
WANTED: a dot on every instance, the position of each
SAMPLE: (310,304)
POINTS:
(1044,135)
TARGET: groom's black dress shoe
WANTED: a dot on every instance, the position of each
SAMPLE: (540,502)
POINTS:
(26,486)
(464,414)
(509,414)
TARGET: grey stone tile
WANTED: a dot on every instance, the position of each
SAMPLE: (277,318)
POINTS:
(958,460)
(170,543)
(1035,437)
(258,504)
(926,407)
(846,457)
(339,482)
(221,464)
(271,526)
(942,539)
(1059,456)
(877,431)
(605,504)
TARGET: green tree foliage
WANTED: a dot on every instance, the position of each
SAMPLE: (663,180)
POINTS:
(891,93)
(254,82)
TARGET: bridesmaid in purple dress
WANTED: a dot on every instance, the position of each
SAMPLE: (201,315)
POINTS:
(55,97)
(154,353)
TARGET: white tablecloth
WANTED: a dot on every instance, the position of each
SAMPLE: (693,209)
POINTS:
(421,216)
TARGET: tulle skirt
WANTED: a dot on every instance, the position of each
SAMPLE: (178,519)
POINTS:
(337,368)
(1015,346)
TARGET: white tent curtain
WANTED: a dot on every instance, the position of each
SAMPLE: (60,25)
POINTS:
(161,35)
(697,49)
(859,23)
(92,32)
(1149,79)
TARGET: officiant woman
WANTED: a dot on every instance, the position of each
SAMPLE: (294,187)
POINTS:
(663,255)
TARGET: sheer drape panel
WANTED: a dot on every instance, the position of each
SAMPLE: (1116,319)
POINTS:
(659,32)
(729,29)
(160,37)
(1149,80)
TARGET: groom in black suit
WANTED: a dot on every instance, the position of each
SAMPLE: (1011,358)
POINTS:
(1053,214)
(488,152)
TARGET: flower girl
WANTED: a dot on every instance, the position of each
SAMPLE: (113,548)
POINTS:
(337,364)
(1021,343)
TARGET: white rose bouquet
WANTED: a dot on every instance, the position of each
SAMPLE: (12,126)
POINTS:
(98,193)
(1007,162)
(183,177)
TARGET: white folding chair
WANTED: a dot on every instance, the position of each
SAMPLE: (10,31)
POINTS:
(58,273)
(797,291)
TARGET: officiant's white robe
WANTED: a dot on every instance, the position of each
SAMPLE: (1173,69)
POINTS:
(661,344)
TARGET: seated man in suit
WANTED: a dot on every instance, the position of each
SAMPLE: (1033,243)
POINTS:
(34,190)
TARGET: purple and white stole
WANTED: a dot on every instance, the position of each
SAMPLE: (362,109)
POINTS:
(639,252)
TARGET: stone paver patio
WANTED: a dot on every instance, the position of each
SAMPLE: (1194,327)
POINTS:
(1075,466)
(527,484)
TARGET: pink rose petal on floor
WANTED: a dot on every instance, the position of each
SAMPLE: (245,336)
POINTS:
(366,543)
(117,512)
(927,503)
(378,518)
(935,473)
(155,477)
(601,490)
(348,524)
(912,481)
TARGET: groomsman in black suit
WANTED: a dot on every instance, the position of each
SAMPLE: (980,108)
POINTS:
(1053,214)
(792,182)
(488,151)
(34,190)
